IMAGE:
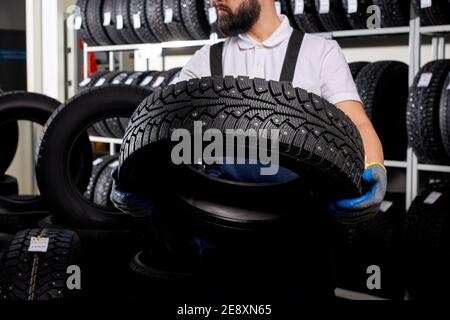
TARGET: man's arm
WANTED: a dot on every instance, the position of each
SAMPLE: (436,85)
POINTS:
(371,141)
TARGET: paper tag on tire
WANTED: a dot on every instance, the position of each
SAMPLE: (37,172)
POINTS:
(85,82)
(433,197)
(100,82)
(299,7)
(77,22)
(97,162)
(352,6)
(324,6)
(212,15)
(129,81)
(38,244)
(115,164)
(119,22)
(146,81)
(385,206)
(107,19)
(425,80)
(278,7)
(137,21)
(168,15)
(158,82)
(425,4)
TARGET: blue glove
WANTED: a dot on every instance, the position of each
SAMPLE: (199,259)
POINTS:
(130,203)
(352,211)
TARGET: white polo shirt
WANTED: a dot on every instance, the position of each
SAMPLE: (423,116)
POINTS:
(321,66)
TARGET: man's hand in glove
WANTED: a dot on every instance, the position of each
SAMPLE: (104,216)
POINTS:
(351,211)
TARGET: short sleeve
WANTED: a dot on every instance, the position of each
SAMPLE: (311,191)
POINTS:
(198,66)
(337,84)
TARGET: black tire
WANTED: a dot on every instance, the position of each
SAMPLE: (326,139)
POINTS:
(95,22)
(97,168)
(423,114)
(336,18)
(213,24)
(28,275)
(85,33)
(103,187)
(356,67)
(383,87)
(309,20)
(128,32)
(19,212)
(9,137)
(166,76)
(358,20)
(194,19)
(155,18)
(438,13)
(8,186)
(5,239)
(444,115)
(144,32)
(427,235)
(176,27)
(114,125)
(62,131)
(265,103)
(89,82)
(394,13)
(114,34)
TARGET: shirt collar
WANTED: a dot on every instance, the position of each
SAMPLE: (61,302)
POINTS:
(283,31)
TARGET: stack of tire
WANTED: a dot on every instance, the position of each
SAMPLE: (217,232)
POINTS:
(114,22)
(115,127)
(383,88)
(434,12)
(428,113)
(427,244)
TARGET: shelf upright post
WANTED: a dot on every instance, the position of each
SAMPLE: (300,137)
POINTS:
(85,61)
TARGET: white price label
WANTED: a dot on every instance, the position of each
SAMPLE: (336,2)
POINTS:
(97,161)
(425,4)
(116,81)
(352,6)
(129,81)
(85,82)
(385,206)
(107,19)
(212,15)
(100,82)
(119,22)
(433,197)
(425,80)
(137,21)
(115,164)
(278,7)
(38,244)
(299,7)
(324,6)
(158,82)
(168,15)
(146,81)
(77,22)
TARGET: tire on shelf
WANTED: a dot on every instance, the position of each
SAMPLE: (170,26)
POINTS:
(335,19)
(356,67)
(8,186)
(211,13)
(95,22)
(358,19)
(61,132)
(444,115)
(155,17)
(89,82)
(194,19)
(111,29)
(122,8)
(437,14)
(424,134)
(426,238)
(97,167)
(104,185)
(175,26)
(394,13)
(144,31)
(85,33)
(327,143)
(308,20)
(26,275)
(114,125)
(383,87)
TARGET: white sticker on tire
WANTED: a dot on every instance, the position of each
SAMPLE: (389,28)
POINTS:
(38,244)
(146,81)
(100,82)
(119,22)
(385,206)
(137,24)
(278,7)
(212,15)
(115,164)
(432,197)
(168,15)
(299,7)
(352,6)
(158,82)
(97,161)
(85,82)
(425,4)
(107,19)
(425,80)
(77,22)
(324,6)
(129,81)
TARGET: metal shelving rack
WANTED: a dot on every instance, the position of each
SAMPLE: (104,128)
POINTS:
(414,32)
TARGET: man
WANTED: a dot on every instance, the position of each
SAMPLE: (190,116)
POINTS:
(262,44)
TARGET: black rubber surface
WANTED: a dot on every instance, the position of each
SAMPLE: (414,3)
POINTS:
(438,13)
(155,18)
(128,32)
(383,88)
(145,31)
(31,276)
(176,26)
(104,185)
(308,21)
(95,22)
(336,18)
(97,168)
(194,19)
(84,31)
(65,128)
(213,24)
(8,186)
(422,122)
(444,115)
(394,13)
(358,19)
(111,29)
(356,67)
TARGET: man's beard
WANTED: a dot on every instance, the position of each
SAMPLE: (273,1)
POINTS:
(231,24)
